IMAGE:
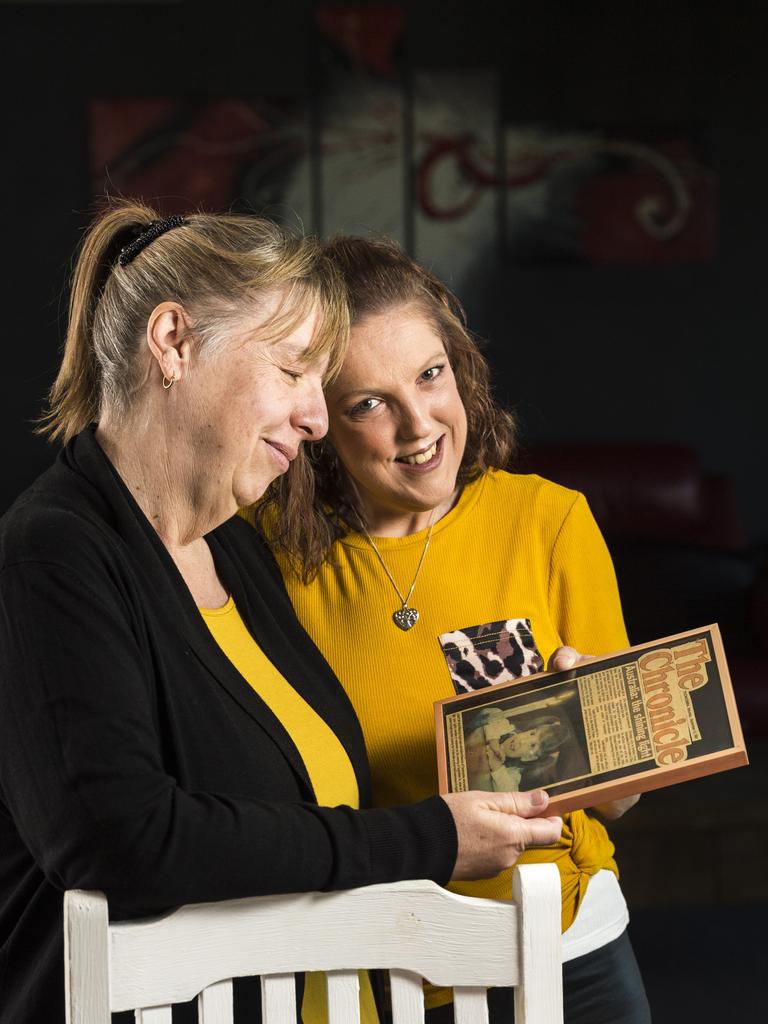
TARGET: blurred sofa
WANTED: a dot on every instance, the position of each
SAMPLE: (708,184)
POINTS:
(679,549)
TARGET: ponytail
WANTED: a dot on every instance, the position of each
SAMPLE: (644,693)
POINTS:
(74,400)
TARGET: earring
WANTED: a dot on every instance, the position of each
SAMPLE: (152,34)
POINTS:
(168,384)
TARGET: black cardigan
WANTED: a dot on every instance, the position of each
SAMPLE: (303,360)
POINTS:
(134,758)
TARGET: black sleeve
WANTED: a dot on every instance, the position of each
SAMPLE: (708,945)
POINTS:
(81,773)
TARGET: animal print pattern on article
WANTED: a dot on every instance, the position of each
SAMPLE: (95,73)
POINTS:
(495,652)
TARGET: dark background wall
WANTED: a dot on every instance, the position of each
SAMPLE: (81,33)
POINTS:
(673,353)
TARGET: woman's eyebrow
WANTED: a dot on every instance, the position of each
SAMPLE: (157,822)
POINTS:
(435,358)
(357,391)
(426,364)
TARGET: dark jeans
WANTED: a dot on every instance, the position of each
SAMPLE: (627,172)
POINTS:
(602,987)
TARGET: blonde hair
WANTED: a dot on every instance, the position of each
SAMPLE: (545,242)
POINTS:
(217,266)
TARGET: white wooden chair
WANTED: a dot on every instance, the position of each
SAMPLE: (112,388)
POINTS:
(414,930)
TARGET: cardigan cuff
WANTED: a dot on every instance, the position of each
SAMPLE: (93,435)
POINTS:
(412,841)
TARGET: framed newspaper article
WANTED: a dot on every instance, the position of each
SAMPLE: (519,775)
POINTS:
(636,720)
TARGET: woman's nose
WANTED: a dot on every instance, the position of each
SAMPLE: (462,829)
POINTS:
(312,415)
(414,421)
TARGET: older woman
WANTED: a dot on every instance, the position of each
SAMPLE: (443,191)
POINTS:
(421,564)
(168,732)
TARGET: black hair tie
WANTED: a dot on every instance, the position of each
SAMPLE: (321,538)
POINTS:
(147,234)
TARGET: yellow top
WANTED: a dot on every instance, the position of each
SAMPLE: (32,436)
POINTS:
(513,547)
(328,766)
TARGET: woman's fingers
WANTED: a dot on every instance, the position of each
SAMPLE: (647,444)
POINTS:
(564,658)
(529,804)
(494,828)
(615,808)
(544,831)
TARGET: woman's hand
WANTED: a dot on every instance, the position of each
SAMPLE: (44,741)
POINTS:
(562,659)
(613,809)
(494,828)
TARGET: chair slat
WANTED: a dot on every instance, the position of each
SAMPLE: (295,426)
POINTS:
(214,1004)
(278,999)
(539,996)
(407,994)
(154,1015)
(343,997)
(86,957)
(470,1005)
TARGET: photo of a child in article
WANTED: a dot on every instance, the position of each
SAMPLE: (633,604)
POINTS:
(520,748)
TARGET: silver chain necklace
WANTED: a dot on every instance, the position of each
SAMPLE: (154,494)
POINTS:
(405,617)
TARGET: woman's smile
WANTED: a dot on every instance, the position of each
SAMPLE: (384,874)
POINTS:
(283,455)
(425,459)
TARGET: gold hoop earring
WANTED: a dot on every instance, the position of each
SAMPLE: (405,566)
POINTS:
(168,384)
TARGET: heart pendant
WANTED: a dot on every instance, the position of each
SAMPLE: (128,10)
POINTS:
(406,618)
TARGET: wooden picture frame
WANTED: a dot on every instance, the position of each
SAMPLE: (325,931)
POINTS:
(652,715)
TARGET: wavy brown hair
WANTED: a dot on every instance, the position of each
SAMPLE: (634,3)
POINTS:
(311,506)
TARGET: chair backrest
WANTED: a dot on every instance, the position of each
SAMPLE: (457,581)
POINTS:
(412,929)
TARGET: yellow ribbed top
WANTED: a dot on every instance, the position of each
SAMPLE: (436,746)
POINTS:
(328,766)
(513,547)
